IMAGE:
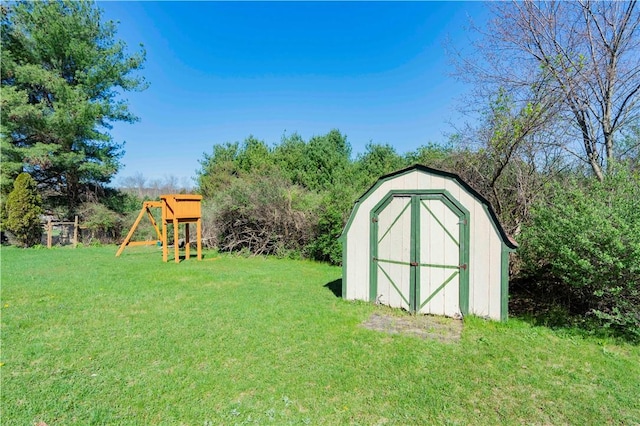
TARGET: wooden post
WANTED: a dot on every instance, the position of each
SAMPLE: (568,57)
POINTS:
(75,233)
(199,236)
(176,244)
(186,241)
(49,233)
(165,248)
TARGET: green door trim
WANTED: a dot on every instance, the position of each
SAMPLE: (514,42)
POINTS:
(394,285)
(443,285)
(395,221)
(414,273)
(417,197)
(462,242)
(439,223)
(395,262)
(375,241)
(432,265)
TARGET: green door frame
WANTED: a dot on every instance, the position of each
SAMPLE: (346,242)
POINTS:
(417,196)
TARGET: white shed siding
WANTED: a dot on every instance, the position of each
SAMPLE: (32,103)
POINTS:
(495,268)
(397,245)
(479,265)
(486,242)
(439,248)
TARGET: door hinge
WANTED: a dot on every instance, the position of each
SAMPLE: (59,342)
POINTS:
(463,266)
(374,219)
(375,259)
(462,222)
(413,263)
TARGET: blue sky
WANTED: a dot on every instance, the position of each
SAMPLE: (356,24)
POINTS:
(221,71)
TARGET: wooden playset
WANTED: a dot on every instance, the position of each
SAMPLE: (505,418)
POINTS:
(176,209)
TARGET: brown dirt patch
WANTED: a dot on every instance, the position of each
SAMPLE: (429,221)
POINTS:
(443,329)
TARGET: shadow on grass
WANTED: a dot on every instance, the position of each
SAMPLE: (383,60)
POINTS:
(335,286)
(548,304)
(191,256)
(532,302)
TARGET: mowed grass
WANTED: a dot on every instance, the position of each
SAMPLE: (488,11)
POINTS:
(88,338)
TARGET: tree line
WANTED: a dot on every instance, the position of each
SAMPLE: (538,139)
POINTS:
(554,146)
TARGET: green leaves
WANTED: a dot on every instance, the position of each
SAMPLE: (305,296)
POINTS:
(587,235)
(293,197)
(309,186)
(24,207)
(62,74)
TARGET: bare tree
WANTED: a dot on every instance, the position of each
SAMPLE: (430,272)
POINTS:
(153,188)
(134,183)
(583,56)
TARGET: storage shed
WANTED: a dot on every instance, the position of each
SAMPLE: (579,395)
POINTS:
(423,240)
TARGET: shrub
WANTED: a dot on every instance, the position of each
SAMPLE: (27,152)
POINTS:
(263,214)
(210,231)
(334,211)
(326,245)
(586,238)
(24,207)
(103,224)
(120,201)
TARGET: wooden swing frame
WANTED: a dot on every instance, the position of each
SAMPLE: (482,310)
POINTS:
(176,209)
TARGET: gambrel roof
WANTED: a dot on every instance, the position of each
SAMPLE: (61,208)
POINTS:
(508,241)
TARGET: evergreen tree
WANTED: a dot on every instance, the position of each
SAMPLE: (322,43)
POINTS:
(24,207)
(62,72)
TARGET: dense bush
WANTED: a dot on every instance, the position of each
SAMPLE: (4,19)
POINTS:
(278,200)
(102,223)
(24,207)
(120,202)
(263,214)
(333,213)
(209,226)
(586,239)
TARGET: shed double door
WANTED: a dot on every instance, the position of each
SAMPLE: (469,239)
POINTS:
(419,248)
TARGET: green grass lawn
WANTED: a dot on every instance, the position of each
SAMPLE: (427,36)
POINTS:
(88,338)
